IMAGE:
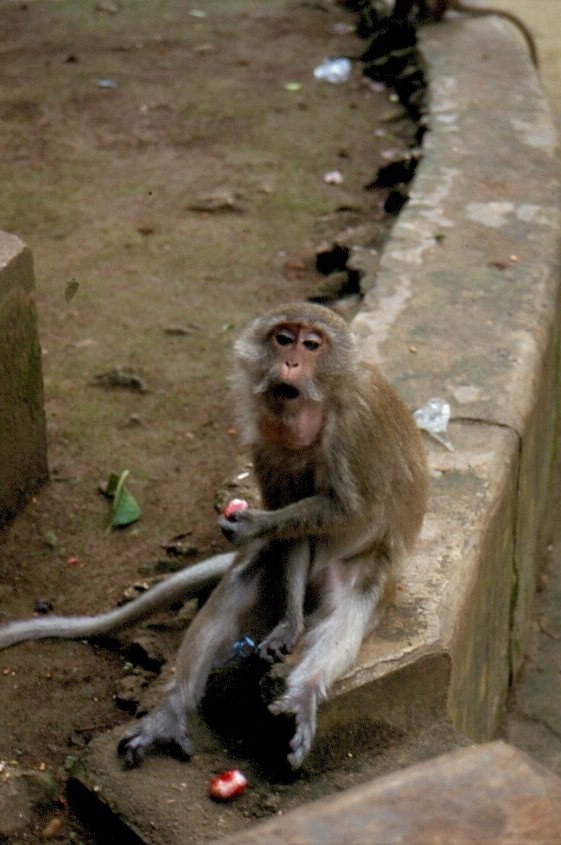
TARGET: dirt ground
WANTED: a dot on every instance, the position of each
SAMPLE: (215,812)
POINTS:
(171,160)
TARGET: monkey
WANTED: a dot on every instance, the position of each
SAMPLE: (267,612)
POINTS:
(434,10)
(343,479)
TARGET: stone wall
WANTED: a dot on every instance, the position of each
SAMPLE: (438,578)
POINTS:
(23,448)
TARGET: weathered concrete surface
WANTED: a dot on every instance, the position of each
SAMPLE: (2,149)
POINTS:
(404,726)
(23,450)
(533,721)
(466,306)
(470,279)
(491,794)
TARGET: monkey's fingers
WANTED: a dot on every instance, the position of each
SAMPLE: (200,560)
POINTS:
(230,527)
(141,740)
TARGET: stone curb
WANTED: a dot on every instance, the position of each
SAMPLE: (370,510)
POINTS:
(466,306)
(489,793)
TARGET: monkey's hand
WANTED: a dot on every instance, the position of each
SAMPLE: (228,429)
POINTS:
(162,729)
(241,526)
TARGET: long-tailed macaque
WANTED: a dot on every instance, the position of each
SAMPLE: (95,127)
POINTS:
(434,10)
(343,479)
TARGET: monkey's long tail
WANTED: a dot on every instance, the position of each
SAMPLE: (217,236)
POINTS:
(481,11)
(182,585)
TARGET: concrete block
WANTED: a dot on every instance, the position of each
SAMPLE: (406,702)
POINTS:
(23,449)
(492,794)
(466,307)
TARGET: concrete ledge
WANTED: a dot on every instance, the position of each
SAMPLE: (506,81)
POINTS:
(23,448)
(466,306)
(492,794)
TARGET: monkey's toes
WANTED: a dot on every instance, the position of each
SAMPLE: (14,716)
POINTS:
(281,706)
(135,745)
(300,744)
(272,651)
(132,750)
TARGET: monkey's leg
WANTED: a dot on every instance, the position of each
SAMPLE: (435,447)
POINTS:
(330,647)
(217,625)
(284,636)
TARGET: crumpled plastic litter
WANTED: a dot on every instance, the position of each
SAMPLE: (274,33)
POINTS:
(335,71)
(433,418)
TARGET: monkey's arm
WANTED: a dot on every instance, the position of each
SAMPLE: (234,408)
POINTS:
(182,585)
(309,517)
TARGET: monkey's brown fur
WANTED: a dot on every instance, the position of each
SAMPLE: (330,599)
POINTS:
(343,478)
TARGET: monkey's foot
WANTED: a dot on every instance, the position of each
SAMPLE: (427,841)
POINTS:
(303,707)
(280,642)
(158,730)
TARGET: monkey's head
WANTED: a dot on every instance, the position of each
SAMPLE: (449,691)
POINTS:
(294,354)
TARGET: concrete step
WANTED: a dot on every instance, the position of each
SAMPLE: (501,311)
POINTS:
(167,801)
(491,794)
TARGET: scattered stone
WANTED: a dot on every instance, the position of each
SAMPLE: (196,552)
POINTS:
(220,200)
(107,7)
(180,546)
(52,828)
(240,486)
(336,286)
(130,688)
(145,650)
(186,329)
(120,379)
(134,591)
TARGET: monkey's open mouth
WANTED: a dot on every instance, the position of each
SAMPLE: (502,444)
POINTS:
(286,391)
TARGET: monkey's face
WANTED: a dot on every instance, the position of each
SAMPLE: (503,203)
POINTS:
(296,350)
(292,360)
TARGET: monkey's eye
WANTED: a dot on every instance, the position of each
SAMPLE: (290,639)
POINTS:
(312,341)
(284,338)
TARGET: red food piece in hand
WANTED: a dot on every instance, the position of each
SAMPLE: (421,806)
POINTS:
(227,785)
(234,506)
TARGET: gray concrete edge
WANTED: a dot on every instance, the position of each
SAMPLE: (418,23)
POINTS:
(465,306)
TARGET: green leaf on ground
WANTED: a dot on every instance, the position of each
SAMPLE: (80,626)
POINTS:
(125,509)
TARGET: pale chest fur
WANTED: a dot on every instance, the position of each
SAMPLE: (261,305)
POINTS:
(293,430)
